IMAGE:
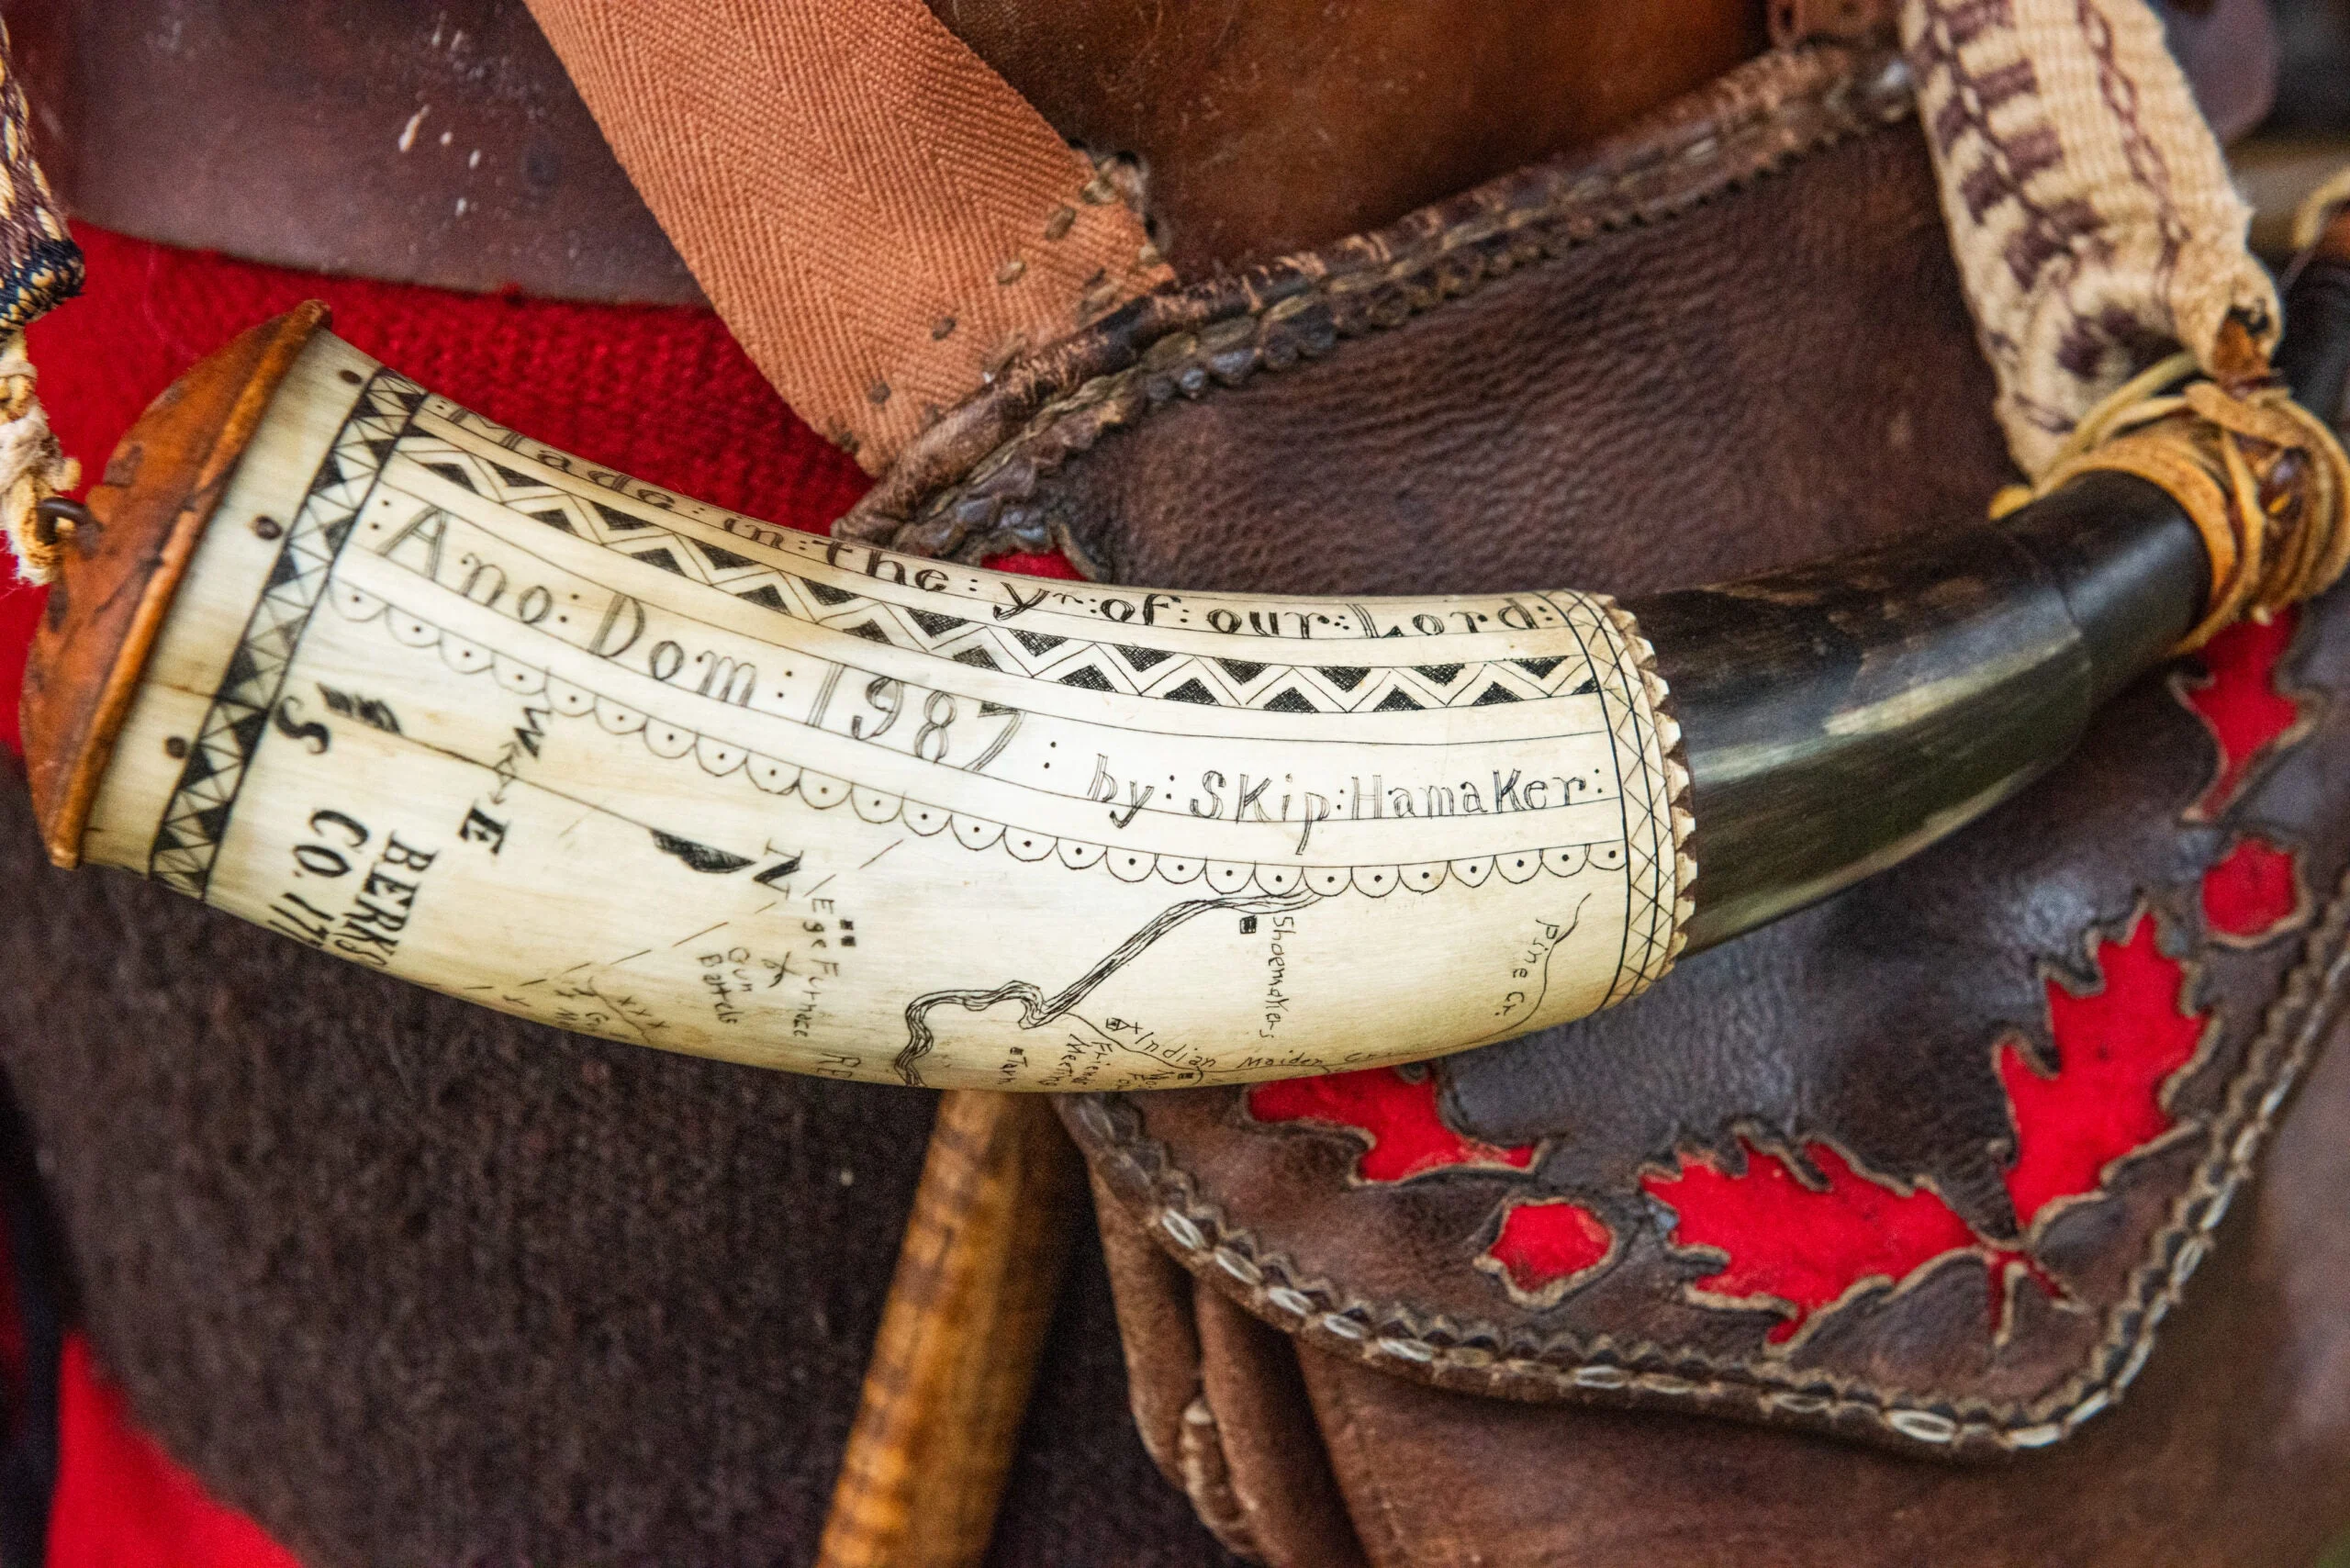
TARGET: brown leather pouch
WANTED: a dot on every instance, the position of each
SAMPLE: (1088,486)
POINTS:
(1926,1167)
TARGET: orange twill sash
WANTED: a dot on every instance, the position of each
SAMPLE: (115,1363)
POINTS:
(880,218)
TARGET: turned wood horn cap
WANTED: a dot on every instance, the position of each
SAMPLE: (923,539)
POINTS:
(121,567)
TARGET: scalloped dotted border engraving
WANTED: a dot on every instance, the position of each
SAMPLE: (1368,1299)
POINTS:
(672,742)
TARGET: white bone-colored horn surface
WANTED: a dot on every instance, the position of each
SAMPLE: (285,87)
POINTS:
(439,700)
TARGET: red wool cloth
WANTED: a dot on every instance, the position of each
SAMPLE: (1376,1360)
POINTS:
(660,393)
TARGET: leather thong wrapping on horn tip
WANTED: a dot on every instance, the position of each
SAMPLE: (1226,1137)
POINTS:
(2264,480)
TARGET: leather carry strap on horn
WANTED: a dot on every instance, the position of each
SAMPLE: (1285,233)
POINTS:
(2090,210)
(878,215)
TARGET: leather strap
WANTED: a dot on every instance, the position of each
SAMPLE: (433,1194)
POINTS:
(878,215)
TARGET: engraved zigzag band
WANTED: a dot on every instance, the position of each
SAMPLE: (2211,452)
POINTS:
(719,758)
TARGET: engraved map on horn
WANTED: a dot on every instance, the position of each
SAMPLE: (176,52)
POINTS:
(601,754)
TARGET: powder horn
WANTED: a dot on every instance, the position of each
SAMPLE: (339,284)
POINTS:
(334,655)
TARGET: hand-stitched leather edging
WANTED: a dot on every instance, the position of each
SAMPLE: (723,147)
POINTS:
(1479,1357)
(961,487)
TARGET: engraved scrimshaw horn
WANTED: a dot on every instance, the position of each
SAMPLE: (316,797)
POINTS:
(342,658)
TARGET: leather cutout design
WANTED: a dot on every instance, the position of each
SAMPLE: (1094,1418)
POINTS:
(1544,1248)
(1800,1233)
(2251,720)
(1394,1110)
(2253,892)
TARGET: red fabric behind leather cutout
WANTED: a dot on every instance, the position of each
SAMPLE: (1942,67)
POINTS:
(2115,1048)
(1037,566)
(1395,1114)
(1547,1240)
(2252,891)
(1802,1249)
(121,1504)
(2238,701)
(1796,1247)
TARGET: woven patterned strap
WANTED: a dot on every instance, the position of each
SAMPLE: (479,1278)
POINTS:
(879,217)
(39,267)
(40,264)
(2088,204)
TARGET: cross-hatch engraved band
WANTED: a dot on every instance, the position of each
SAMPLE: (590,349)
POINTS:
(189,836)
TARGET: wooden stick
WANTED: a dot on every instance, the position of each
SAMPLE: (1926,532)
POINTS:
(960,1339)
